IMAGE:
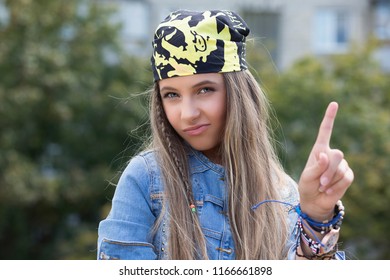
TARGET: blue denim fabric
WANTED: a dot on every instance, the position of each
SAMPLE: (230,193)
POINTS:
(137,202)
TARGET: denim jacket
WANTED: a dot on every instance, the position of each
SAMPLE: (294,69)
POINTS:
(137,202)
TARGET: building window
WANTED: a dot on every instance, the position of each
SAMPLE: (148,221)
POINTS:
(264,27)
(4,15)
(381,30)
(382,19)
(134,16)
(331,31)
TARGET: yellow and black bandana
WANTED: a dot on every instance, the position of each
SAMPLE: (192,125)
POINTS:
(189,42)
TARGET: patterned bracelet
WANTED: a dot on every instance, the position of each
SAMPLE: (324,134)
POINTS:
(324,249)
(312,244)
(324,226)
(326,256)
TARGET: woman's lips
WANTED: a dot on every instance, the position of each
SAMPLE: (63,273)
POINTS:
(196,130)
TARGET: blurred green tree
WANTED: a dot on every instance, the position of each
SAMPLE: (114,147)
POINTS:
(299,97)
(64,117)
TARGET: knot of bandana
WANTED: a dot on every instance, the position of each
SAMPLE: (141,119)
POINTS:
(189,42)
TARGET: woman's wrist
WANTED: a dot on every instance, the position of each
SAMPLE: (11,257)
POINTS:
(327,224)
(316,214)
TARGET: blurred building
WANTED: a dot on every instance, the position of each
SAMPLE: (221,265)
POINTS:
(289,29)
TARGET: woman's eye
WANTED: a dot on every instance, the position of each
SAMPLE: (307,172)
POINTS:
(170,95)
(205,90)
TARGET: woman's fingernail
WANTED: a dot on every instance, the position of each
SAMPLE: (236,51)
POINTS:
(329,191)
(324,181)
(321,189)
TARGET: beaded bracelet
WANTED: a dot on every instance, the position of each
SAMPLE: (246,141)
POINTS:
(322,250)
(312,244)
(324,226)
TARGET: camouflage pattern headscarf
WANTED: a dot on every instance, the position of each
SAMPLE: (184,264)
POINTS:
(189,42)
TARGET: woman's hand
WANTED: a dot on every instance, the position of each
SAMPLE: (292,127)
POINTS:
(326,176)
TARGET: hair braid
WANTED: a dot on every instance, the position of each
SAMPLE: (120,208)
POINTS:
(168,134)
(184,224)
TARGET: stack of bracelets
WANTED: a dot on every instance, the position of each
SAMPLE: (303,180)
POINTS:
(326,248)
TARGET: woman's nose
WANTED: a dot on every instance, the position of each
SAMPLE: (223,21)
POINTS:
(189,110)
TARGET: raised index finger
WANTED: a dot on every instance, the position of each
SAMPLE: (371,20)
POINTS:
(326,127)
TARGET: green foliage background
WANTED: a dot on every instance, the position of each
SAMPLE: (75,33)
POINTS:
(69,121)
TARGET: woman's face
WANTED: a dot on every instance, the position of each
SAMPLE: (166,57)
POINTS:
(196,108)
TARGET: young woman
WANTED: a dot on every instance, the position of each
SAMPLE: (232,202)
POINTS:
(210,186)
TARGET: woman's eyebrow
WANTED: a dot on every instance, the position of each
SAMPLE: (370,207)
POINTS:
(205,82)
(167,88)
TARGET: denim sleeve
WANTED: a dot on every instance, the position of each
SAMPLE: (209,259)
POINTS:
(125,233)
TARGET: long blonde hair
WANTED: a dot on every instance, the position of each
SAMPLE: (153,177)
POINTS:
(253,174)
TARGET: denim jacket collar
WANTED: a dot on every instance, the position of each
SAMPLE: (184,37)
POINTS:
(199,163)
